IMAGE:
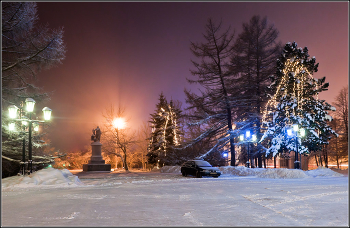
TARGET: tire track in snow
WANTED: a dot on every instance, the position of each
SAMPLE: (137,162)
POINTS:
(272,209)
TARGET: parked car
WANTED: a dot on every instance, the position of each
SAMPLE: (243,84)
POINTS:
(199,168)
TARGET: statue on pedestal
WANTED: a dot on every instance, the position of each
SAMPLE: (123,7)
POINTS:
(96,134)
(96,163)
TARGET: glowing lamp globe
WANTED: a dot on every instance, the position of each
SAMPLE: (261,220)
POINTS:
(247,134)
(289,132)
(47,113)
(295,127)
(11,126)
(36,127)
(24,121)
(241,137)
(119,123)
(30,104)
(302,132)
(253,138)
(12,111)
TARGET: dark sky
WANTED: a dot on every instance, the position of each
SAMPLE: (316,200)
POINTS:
(124,53)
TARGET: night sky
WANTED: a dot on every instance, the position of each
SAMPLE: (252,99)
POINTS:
(125,53)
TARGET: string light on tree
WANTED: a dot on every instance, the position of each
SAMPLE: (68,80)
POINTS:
(295,103)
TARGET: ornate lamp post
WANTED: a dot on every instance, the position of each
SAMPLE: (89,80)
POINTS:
(13,110)
(296,132)
(248,138)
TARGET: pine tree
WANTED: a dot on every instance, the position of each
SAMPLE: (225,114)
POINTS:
(296,102)
(212,108)
(166,134)
(254,60)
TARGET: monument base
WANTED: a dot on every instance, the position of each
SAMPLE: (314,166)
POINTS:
(97,167)
(96,162)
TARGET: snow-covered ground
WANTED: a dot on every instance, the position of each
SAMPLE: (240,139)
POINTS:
(239,197)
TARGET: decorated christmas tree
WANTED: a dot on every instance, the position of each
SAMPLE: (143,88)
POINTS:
(294,118)
(165,133)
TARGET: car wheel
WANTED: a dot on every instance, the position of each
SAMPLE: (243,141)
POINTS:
(184,173)
(198,174)
(215,176)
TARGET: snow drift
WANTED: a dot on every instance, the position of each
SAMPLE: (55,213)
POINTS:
(281,173)
(47,177)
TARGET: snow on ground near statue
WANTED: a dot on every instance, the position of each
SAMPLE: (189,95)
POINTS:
(265,173)
(239,197)
(48,177)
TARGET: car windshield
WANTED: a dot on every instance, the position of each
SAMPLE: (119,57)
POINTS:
(203,163)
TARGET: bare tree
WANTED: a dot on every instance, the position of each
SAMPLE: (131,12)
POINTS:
(118,137)
(26,49)
(342,109)
(339,146)
(143,136)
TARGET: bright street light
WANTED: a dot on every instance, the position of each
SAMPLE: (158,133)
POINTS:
(30,103)
(119,123)
(12,126)
(12,111)
(296,132)
(248,138)
(47,113)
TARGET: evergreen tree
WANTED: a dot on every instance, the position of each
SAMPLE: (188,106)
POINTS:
(166,134)
(212,108)
(296,102)
(254,60)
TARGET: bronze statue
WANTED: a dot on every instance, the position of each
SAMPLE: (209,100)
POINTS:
(96,134)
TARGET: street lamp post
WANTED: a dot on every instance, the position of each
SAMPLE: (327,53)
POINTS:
(13,115)
(296,132)
(248,138)
(119,124)
(225,155)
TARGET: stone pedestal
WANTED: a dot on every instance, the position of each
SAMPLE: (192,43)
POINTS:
(96,162)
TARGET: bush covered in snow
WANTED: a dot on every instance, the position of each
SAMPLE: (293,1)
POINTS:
(48,177)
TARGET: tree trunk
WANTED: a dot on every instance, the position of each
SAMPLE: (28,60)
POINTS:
(264,162)
(125,164)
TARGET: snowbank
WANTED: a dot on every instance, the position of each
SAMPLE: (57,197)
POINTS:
(47,177)
(239,171)
(281,173)
(170,169)
(323,172)
(264,173)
